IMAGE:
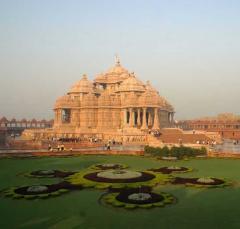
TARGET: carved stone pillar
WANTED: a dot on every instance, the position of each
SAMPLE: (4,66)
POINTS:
(149,119)
(134,118)
(75,117)
(172,117)
(59,116)
(144,121)
(125,117)
(55,117)
(156,119)
(131,118)
(139,118)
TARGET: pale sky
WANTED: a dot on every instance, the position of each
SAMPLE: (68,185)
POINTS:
(188,49)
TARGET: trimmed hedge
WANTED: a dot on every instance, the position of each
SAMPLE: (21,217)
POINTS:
(179,152)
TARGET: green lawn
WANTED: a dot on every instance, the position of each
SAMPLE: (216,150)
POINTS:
(195,208)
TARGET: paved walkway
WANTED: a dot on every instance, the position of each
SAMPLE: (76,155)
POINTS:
(227,146)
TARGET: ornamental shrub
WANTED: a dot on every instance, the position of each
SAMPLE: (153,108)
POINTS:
(179,152)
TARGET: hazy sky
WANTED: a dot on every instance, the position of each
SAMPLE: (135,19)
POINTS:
(188,49)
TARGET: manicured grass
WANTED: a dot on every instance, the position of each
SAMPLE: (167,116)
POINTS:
(196,208)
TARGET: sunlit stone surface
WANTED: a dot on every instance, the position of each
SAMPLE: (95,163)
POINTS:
(116,105)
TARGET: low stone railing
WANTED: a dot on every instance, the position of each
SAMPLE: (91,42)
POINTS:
(224,154)
(73,153)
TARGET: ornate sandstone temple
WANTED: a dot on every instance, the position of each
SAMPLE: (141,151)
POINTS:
(115,105)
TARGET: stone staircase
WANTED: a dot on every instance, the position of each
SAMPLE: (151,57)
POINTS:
(177,136)
(154,141)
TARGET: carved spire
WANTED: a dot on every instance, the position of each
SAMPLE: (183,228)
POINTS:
(84,76)
(132,74)
(117,60)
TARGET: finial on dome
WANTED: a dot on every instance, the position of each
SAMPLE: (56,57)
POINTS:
(148,82)
(117,60)
(84,76)
(132,74)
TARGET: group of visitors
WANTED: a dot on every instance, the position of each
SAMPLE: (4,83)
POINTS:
(58,148)
(155,133)
(206,142)
(95,140)
(236,142)
(111,142)
(75,139)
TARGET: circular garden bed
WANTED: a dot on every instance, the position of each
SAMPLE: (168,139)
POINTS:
(40,191)
(141,197)
(200,182)
(117,178)
(107,166)
(49,173)
(172,169)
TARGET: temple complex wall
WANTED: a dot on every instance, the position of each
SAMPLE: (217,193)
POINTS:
(225,126)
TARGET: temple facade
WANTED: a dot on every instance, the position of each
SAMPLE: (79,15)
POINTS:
(114,104)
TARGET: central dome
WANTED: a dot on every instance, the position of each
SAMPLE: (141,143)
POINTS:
(131,84)
(115,74)
(117,69)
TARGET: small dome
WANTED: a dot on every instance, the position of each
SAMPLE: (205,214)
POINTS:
(150,88)
(100,76)
(117,69)
(131,84)
(165,104)
(3,119)
(82,86)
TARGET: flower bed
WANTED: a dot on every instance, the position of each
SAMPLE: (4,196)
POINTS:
(40,191)
(116,178)
(141,197)
(107,166)
(172,169)
(201,182)
(122,176)
(49,173)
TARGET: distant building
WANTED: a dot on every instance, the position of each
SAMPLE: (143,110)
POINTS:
(227,125)
(3,135)
(14,126)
